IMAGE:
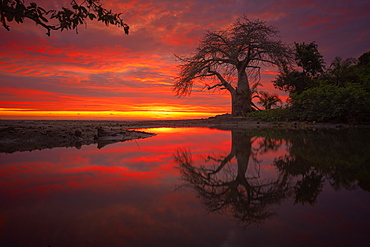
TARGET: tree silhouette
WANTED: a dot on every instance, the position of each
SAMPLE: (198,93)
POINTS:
(231,59)
(308,57)
(235,190)
(310,65)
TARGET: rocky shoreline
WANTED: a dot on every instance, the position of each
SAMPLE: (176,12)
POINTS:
(31,135)
(28,135)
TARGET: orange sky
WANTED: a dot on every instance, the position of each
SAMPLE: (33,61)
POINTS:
(101,73)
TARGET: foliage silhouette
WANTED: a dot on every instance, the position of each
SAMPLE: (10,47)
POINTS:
(268,100)
(310,64)
(67,18)
(339,93)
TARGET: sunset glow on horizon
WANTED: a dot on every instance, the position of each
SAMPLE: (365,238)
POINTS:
(100,73)
(101,115)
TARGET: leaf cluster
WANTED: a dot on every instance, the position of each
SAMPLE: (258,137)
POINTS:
(293,81)
(68,18)
(309,67)
(308,57)
(331,103)
(268,100)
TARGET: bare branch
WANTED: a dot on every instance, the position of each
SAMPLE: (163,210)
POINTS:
(223,81)
(212,87)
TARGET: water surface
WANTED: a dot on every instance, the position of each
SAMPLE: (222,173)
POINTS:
(192,187)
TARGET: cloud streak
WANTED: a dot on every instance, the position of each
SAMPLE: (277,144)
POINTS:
(102,70)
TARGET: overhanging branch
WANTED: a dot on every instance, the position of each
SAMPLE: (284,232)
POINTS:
(223,81)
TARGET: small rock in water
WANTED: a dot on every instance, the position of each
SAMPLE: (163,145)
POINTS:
(102,132)
(78,132)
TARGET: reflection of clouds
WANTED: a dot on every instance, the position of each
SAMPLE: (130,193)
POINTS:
(100,198)
(232,239)
(41,174)
(121,194)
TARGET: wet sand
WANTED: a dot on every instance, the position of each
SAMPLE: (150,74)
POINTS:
(28,135)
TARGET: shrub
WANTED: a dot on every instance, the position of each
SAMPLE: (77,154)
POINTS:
(331,103)
(272,115)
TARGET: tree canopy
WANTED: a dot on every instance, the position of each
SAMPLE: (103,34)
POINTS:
(339,93)
(65,19)
(231,59)
(308,57)
(310,64)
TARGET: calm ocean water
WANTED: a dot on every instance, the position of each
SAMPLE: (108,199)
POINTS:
(192,187)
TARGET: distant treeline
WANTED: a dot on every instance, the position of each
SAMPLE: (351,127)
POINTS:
(337,93)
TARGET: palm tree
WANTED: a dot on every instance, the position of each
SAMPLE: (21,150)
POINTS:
(340,70)
(268,100)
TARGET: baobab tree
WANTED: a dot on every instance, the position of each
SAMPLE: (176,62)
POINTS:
(231,59)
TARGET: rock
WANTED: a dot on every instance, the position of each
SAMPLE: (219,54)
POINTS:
(8,129)
(102,132)
(78,132)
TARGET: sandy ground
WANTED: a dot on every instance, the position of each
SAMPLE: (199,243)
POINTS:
(28,135)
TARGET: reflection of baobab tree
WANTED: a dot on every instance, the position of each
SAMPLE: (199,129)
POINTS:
(233,185)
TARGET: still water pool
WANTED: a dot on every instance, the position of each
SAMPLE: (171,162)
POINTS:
(192,187)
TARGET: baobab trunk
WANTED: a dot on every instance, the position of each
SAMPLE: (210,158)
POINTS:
(242,148)
(241,96)
(240,103)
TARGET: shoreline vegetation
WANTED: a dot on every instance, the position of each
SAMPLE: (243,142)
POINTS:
(29,135)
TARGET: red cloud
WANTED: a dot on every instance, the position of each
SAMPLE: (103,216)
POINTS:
(100,69)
